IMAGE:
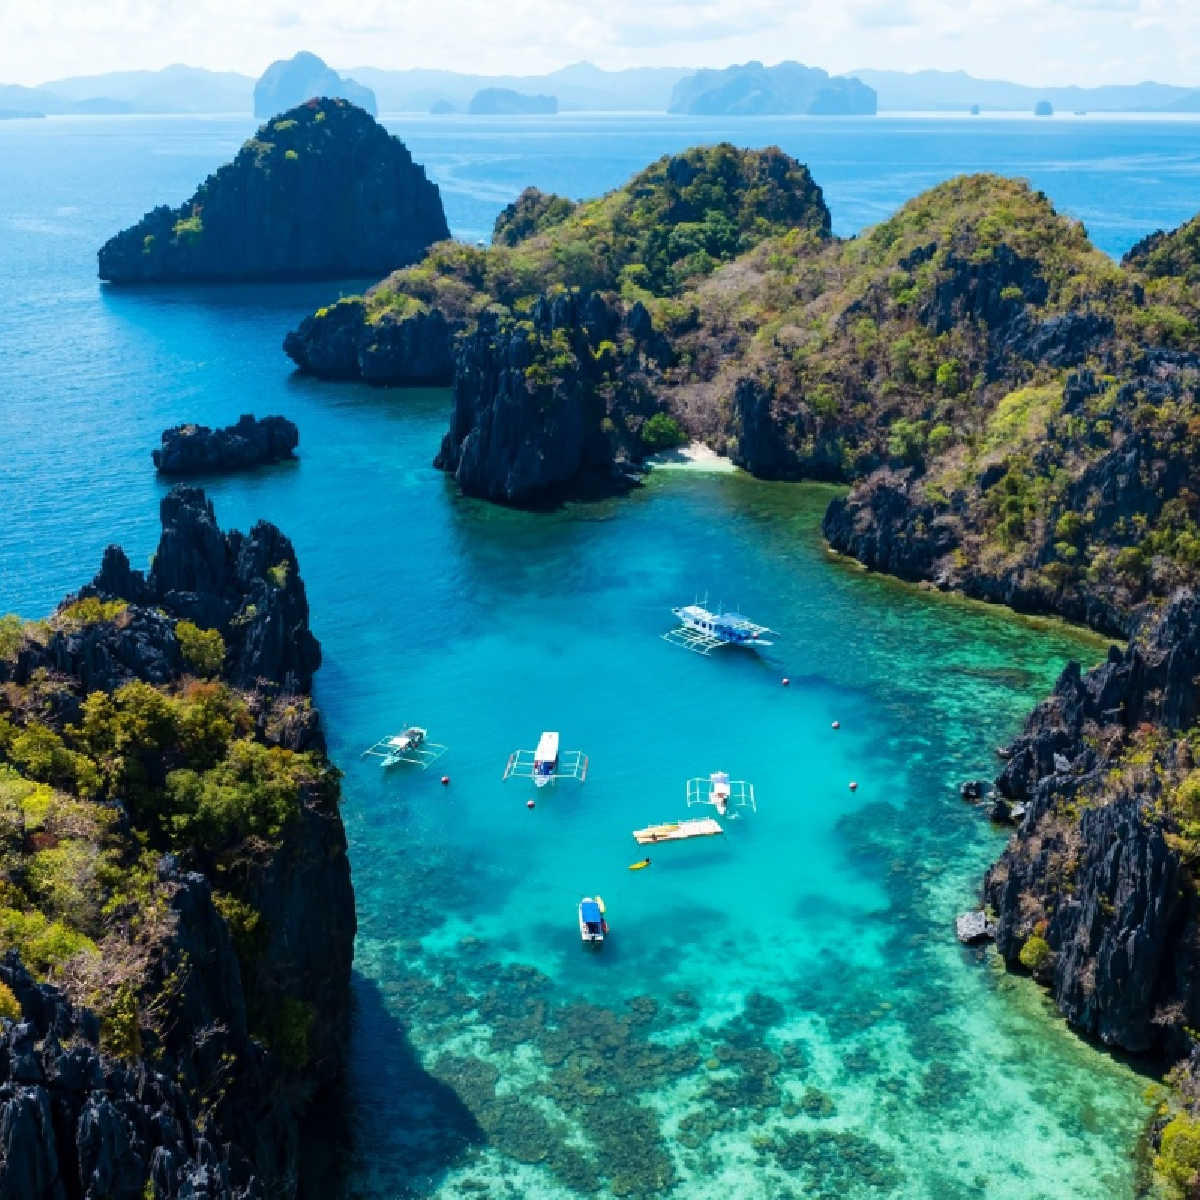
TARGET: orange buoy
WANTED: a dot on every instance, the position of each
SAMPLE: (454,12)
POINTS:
(837,725)
(528,803)
(785,681)
(445,780)
(853,786)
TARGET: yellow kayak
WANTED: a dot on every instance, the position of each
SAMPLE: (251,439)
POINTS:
(638,866)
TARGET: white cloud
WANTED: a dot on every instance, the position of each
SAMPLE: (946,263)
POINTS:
(1033,41)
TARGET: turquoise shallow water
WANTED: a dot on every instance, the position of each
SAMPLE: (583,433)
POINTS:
(781,1011)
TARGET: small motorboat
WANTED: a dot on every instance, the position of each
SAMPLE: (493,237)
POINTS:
(592,925)
(545,759)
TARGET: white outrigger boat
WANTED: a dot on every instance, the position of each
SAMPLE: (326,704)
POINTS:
(410,745)
(593,928)
(702,631)
(722,793)
(547,763)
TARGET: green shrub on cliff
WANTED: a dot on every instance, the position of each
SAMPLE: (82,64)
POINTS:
(1035,954)
(1178,1159)
(88,611)
(203,649)
(12,633)
(661,432)
(10,1009)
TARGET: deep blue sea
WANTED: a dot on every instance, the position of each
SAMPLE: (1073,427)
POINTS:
(779,1012)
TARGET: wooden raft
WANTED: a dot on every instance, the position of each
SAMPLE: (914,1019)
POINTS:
(677,831)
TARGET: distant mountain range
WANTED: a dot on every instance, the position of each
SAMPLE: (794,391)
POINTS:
(934,91)
(182,89)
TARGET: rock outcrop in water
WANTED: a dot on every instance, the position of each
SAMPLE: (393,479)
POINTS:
(250,442)
(291,81)
(321,191)
(156,735)
(341,342)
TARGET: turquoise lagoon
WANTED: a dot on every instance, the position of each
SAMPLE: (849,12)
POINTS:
(782,1011)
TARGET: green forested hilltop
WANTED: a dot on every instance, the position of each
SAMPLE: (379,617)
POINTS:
(674,221)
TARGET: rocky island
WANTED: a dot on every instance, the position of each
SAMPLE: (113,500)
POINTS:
(289,82)
(750,89)
(321,191)
(250,442)
(497,101)
(675,221)
(174,886)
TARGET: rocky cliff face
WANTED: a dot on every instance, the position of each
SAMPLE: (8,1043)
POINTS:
(340,342)
(1098,869)
(217,1062)
(250,442)
(321,191)
(550,406)
(1121,457)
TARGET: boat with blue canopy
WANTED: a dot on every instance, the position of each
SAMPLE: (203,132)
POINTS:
(593,927)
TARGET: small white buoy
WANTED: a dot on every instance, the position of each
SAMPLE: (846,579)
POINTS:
(837,725)
(445,780)
(528,803)
(853,786)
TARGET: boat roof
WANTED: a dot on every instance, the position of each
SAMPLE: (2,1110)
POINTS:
(589,910)
(732,620)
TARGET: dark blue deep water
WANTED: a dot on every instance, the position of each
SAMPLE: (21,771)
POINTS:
(779,1012)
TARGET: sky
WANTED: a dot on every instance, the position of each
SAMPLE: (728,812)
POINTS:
(1046,42)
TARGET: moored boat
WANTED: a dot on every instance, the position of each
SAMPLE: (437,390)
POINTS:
(545,759)
(593,927)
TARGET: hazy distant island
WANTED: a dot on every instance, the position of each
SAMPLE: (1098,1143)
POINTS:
(754,90)
(16,114)
(439,108)
(289,82)
(946,91)
(581,85)
(1043,108)
(504,101)
(323,190)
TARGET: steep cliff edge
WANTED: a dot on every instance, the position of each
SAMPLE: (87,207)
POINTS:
(552,405)
(320,191)
(1096,892)
(173,866)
